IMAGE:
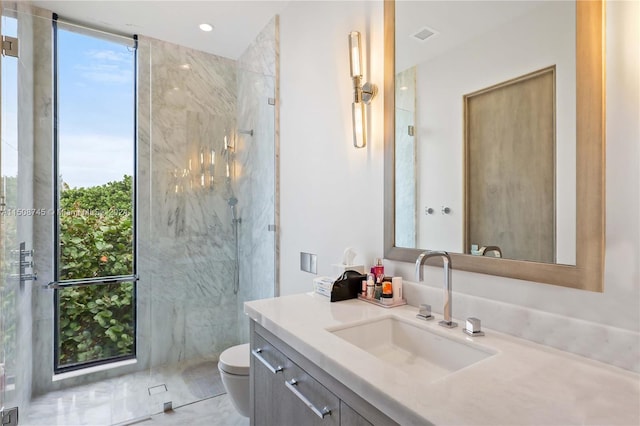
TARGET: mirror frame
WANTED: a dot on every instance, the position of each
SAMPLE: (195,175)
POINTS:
(588,273)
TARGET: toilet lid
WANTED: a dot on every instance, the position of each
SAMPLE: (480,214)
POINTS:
(235,360)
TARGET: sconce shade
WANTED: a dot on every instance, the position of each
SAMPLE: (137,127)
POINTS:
(359,124)
(355,55)
(363,92)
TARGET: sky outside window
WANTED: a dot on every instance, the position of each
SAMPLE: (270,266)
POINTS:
(96,109)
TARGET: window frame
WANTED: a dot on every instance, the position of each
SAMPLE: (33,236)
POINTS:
(59,284)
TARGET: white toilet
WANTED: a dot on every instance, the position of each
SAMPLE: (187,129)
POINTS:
(234,371)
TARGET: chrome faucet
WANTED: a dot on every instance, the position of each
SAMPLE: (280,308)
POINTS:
(489,249)
(446,260)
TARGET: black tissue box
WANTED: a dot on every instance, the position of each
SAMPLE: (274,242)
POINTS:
(347,286)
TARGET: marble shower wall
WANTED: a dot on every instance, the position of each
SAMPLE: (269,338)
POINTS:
(186,242)
(255,179)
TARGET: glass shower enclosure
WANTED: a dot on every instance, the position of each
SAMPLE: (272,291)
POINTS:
(205,196)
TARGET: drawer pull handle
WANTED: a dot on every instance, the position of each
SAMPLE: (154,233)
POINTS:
(292,387)
(275,370)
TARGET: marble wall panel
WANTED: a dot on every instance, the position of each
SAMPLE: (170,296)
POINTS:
(146,262)
(261,56)
(189,258)
(41,346)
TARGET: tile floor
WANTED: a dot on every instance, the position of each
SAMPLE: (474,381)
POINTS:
(137,396)
(216,411)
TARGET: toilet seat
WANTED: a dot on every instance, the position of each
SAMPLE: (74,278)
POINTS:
(235,360)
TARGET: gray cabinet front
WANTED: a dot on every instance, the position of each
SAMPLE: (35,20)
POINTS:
(285,395)
(315,405)
(350,417)
(269,391)
(289,390)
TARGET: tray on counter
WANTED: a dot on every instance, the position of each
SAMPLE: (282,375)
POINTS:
(378,303)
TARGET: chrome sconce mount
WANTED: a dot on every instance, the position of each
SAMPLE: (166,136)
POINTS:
(363,92)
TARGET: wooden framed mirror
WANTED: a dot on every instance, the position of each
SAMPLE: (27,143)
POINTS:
(587,270)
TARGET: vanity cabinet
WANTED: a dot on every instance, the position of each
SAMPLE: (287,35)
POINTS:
(284,394)
(349,416)
(288,389)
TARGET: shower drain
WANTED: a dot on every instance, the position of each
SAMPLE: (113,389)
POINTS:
(154,390)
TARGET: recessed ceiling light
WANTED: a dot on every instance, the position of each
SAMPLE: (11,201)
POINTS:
(206,27)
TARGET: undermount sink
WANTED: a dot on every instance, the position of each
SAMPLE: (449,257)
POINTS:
(413,349)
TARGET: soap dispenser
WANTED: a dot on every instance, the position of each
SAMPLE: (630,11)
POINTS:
(378,269)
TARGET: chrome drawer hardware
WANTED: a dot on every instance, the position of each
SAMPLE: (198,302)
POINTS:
(292,387)
(275,370)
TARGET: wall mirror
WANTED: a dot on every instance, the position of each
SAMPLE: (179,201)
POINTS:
(494,137)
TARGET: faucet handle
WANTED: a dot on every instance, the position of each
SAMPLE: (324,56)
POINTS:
(425,312)
(472,327)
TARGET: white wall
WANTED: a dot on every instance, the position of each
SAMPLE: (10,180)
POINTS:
(320,170)
(331,193)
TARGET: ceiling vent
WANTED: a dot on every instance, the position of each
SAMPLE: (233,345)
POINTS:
(423,34)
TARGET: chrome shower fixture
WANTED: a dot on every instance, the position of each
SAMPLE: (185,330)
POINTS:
(232,204)
(232,201)
(246,132)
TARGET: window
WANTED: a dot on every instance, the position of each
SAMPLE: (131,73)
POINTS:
(94,162)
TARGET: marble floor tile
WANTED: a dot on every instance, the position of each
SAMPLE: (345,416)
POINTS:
(216,411)
(125,398)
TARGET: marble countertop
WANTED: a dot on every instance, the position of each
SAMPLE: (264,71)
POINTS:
(524,383)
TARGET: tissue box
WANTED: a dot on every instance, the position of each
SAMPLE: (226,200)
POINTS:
(323,285)
(339,268)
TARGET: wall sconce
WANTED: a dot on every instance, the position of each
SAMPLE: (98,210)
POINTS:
(362,93)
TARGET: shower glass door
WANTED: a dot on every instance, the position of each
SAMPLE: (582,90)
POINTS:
(9,287)
(205,128)
(210,239)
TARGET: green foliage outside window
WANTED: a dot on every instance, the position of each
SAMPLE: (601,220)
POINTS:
(96,240)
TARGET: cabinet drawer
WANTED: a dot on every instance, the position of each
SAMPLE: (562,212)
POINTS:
(320,404)
(265,355)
